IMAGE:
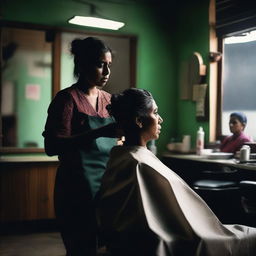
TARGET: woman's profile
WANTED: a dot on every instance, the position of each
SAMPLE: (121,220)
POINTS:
(144,208)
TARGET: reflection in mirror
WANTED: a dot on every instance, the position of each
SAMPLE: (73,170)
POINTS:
(26,86)
(120,78)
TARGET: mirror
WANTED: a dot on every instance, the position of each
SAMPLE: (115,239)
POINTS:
(26,86)
(30,76)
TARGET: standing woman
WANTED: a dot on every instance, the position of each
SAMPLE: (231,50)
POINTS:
(80,131)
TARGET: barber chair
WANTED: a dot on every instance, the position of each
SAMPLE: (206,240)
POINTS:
(248,201)
(220,190)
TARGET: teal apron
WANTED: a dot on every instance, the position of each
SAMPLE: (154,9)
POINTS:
(94,160)
(77,182)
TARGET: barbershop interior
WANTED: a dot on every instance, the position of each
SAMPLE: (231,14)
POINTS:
(197,58)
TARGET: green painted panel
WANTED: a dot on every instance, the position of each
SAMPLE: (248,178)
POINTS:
(192,36)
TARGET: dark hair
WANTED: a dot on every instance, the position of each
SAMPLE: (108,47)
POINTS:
(240,116)
(129,104)
(87,53)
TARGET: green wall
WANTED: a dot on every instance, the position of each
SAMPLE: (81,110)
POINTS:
(167,34)
(192,36)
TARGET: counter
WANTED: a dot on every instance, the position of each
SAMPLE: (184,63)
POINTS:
(227,162)
(26,159)
(192,167)
(226,204)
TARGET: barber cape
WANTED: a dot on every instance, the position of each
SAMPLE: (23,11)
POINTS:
(144,208)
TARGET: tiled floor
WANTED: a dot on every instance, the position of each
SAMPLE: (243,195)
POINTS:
(32,244)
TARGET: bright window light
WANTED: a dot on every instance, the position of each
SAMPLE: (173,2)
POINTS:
(243,38)
(96,22)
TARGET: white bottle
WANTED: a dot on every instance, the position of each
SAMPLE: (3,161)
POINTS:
(200,141)
(186,143)
(245,153)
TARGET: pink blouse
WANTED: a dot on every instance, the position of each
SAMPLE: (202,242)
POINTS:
(234,143)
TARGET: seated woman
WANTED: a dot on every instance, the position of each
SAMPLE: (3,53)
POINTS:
(233,143)
(146,209)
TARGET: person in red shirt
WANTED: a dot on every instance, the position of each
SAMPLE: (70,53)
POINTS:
(233,143)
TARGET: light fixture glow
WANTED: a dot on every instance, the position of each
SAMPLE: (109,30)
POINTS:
(96,22)
(244,38)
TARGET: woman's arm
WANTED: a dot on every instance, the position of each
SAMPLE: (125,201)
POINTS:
(54,145)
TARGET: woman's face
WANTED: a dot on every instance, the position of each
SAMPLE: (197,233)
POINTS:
(235,125)
(152,124)
(99,74)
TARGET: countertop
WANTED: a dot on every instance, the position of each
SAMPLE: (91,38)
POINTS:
(24,159)
(231,162)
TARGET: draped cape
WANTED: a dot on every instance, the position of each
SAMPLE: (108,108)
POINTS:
(144,208)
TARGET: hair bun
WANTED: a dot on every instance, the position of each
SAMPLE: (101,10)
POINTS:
(76,45)
(128,105)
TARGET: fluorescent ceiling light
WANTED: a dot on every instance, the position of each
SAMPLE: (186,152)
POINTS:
(244,38)
(96,22)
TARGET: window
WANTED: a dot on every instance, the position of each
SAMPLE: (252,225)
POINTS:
(233,78)
(239,80)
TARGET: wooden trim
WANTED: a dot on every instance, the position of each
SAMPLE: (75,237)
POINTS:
(212,75)
(14,24)
(219,90)
(1,65)
(133,61)
(12,150)
(56,59)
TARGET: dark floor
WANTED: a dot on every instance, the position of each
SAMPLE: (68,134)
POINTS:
(31,238)
(32,244)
